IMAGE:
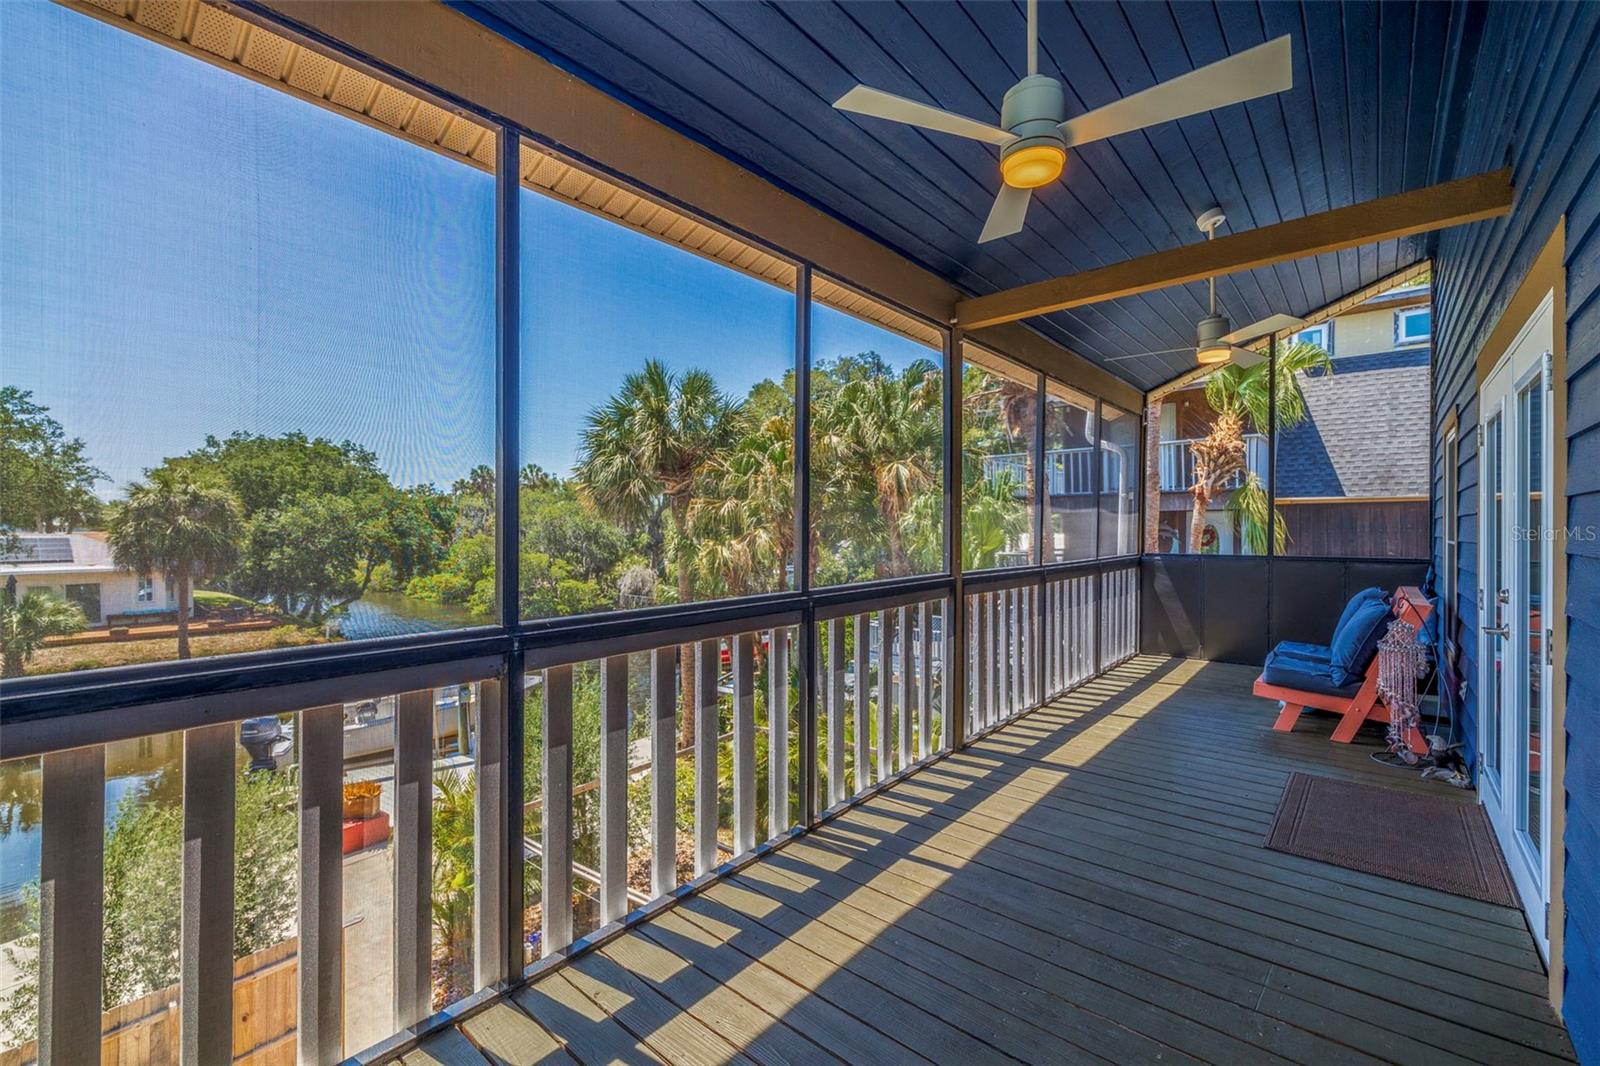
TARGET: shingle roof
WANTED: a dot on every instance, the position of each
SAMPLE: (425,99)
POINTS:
(1366,430)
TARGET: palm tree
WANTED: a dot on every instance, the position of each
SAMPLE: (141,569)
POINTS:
(1017,410)
(992,517)
(1242,396)
(184,529)
(882,433)
(26,622)
(743,526)
(655,438)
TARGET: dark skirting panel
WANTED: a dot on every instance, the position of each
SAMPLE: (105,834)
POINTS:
(1234,609)
(1235,587)
(1170,598)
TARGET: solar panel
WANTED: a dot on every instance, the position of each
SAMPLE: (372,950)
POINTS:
(40,550)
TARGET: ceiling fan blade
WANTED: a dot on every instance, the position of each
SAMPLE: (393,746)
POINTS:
(1008,213)
(1270,324)
(1259,71)
(879,104)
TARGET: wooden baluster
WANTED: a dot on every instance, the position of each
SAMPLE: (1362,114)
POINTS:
(863,730)
(319,1025)
(744,743)
(707,665)
(613,788)
(836,711)
(885,694)
(413,857)
(489,853)
(663,770)
(778,734)
(903,690)
(555,833)
(925,679)
(206,955)
(71,903)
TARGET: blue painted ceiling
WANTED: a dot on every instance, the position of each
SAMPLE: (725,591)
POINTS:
(756,80)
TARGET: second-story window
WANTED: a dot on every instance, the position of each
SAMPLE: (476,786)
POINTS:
(1413,325)
(1321,335)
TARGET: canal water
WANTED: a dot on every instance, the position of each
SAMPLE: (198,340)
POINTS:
(392,614)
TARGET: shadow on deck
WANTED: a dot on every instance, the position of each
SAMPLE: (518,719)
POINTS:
(1085,885)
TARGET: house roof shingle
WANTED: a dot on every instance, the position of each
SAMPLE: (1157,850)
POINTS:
(1365,432)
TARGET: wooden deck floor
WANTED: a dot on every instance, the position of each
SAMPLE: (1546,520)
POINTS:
(1086,885)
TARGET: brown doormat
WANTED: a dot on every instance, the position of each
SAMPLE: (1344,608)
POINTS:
(1409,836)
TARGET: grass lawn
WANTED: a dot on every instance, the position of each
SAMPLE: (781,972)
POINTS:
(123,653)
(212,600)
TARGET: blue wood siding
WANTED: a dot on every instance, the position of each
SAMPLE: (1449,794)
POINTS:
(1532,98)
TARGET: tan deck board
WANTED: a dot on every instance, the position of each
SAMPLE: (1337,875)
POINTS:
(1086,885)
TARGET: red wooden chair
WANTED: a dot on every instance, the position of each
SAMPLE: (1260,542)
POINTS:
(1366,705)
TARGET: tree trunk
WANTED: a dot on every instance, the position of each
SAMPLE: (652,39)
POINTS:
(1197,520)
(11,666)
(183,613)
(686,678)
(1152,477)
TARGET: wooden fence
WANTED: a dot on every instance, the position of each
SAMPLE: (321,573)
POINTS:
(144,1031)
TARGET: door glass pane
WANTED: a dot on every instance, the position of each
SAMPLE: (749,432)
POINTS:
(1530,548)
(1493,582)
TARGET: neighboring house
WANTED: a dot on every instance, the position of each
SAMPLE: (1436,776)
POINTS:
(1352,478)
(78,567)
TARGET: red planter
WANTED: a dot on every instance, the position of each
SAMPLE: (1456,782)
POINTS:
(364,832)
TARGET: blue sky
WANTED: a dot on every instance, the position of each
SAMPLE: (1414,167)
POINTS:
(188,252)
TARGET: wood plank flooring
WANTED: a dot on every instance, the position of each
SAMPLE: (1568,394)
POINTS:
(1085,885)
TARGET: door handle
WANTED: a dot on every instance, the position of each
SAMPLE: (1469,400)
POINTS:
(1503,632)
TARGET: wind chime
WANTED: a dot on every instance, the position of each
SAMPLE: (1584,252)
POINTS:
(1402,661)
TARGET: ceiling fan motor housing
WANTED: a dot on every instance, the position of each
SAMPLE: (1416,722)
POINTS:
(1210,330)
(1032,110)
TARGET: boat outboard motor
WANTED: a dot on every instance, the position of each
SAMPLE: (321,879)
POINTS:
(258,736)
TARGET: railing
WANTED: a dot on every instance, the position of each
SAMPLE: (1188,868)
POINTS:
(1177,463)
(1067,471)
(486,852)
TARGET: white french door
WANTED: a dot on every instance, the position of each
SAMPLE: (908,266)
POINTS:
(1515,609)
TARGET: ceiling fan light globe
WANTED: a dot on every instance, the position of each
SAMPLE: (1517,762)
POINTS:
(1033,165)
(1214,354)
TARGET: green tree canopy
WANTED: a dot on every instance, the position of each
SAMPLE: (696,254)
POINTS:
(46,483)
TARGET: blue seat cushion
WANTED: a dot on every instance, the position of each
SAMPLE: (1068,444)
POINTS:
(1366,595)
(1289,671)
(1356,642)
(1317,653)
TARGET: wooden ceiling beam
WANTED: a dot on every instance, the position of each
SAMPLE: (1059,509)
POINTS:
(1419,211)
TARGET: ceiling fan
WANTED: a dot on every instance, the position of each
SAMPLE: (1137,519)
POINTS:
(1035,133)
(1215,342)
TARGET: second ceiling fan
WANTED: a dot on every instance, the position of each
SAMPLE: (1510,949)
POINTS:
(1035,133)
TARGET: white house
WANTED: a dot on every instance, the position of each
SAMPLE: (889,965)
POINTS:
(78,567)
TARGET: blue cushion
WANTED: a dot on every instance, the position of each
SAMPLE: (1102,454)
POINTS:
(1366,595)
(1317,653)
(1292,672)
(1356,642)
